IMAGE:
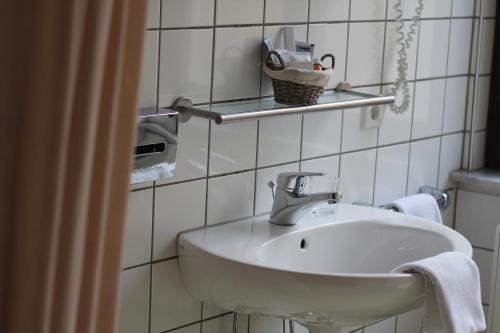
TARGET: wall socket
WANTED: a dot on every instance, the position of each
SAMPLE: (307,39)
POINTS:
(372,116)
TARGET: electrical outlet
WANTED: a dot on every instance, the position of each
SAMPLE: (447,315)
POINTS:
(372,116)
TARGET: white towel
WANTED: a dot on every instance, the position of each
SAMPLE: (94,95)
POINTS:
(452,293)
(421,205)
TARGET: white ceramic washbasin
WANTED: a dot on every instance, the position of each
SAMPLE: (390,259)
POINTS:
(331,269)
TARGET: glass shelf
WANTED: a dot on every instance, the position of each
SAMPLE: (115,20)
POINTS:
(227,112)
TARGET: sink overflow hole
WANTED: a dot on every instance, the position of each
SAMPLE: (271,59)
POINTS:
(303,244)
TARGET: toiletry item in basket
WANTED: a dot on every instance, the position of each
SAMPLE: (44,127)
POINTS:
(268,47)
(299,56)
(300,65)
(304,47)
(316,64)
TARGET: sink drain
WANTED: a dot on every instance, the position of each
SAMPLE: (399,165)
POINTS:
(303,244)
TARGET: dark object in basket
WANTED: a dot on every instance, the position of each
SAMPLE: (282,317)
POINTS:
(292,93)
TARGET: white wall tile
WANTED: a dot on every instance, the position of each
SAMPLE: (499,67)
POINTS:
(483,103)
(451,158)
(433,48)
(410,322)
(487,46)
(466,155)
(276,35)
(228,202)
(437,8)
(364,61)
(185,65)
(428,109)
(187,13)
(478,153)
(171,304)
(460,44)
(192,151)
(470,105)
(386,326)
(424,160)
(298,328)
(321,134)
(224,324)
(490,8)
(137,243)
(239,11)
(279,140)
(263,196)
(392,171)
(195,328)
(259,324)
(396,127)
(362,10)
(475,49)
(357,176)
(331,38)
(391,55)
(237,62)
(455,104)
(278,11)
(134,301)
(211,310)
(173,215)
(354,135)
(477,217)
(484,261)
(233,147)
(149,74)
(329,10)
(463,8)
(153,18)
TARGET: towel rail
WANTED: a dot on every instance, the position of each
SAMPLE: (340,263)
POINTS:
(442,198)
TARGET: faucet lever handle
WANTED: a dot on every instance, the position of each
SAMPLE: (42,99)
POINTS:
(296,182)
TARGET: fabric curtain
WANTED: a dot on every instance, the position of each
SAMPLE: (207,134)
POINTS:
(69,76)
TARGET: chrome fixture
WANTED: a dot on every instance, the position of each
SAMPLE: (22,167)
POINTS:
(293,195)
(227,112)
(156,146)
(442,197)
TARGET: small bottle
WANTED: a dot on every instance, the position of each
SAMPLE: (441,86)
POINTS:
(316,64)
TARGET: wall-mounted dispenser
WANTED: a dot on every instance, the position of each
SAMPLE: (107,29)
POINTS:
(156,146)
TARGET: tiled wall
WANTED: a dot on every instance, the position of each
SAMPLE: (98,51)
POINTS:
(479,86)
(477,219)
(209,50)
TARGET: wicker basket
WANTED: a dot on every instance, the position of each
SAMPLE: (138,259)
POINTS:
(290,92)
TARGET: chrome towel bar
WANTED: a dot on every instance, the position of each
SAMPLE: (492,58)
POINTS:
(442,198)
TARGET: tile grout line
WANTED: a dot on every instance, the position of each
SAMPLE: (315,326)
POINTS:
(345,79)
(209,140)
(413,107)
(380,91)
(153,203)
(271,24)
(444,98)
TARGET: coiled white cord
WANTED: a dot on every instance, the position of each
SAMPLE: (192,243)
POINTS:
(401,85)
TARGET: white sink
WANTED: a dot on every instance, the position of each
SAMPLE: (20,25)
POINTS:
(331,269)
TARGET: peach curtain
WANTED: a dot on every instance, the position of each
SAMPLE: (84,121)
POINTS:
(69,74)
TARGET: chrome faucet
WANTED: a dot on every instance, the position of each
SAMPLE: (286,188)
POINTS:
(293,197)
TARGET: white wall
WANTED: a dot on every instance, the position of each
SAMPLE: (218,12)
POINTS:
(222,170)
